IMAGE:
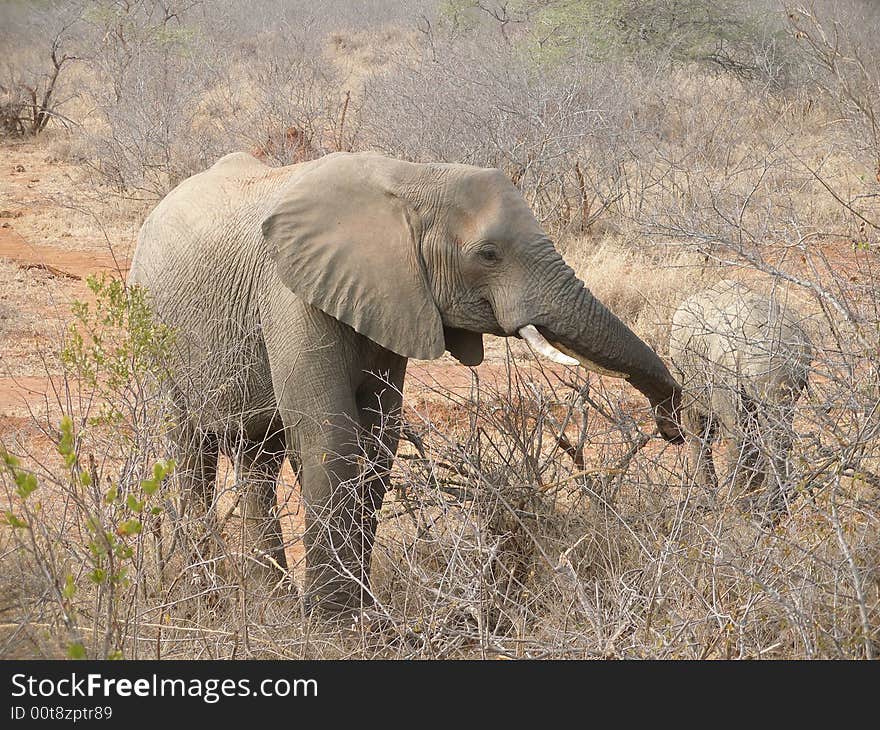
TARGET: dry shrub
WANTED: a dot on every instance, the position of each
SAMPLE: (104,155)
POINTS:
(507,539)
(534,518)
(37,58)
(291,103)
(560,132)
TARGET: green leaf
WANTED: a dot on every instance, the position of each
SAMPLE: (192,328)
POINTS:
(76,651)
(98,575)
(111,494)
(129,527)
(14,522)
(134,504)
(163,468)
(26,483)
(66,445)
(69,587)
(8,459)
(119,576)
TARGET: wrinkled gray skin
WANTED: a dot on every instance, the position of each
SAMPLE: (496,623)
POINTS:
(742,359)
(298,294)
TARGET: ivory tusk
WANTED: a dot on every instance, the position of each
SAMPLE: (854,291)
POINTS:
(539,344)
(589,364)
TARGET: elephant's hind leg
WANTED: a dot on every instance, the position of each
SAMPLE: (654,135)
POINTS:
(196,453)
(779,437)
(258,465)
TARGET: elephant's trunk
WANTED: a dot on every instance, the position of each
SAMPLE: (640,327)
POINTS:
(580,326)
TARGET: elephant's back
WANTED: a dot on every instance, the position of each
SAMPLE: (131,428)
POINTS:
(204,214)
(730,337)
(200,256)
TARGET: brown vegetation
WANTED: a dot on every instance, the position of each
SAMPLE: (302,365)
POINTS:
(533,514)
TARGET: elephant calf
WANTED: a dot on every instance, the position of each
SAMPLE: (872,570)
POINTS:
(742,359)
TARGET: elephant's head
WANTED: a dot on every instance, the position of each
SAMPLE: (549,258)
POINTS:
(423,258)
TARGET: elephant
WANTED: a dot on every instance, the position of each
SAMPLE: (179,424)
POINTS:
(297,295)
(743,361)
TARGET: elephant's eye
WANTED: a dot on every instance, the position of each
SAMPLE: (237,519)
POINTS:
(489,254)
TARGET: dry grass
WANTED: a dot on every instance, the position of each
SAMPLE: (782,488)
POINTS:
(531,515)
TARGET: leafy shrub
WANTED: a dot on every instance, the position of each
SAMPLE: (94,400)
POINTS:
(89,531)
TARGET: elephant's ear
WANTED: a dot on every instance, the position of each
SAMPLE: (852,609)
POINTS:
(348,244)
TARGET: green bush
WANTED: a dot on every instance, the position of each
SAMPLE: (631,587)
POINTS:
(87,523)
(741,37)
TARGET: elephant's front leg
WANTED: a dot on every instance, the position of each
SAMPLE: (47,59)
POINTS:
(325,394)
(344,477)
(340,502)
(701,429)
(380,401)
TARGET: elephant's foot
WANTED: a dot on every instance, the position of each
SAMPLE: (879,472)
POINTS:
(377,630)
(373,629)
(193,584)
(703,494)
(202,559)
(225,559)
(766,509)
(705,503)
(773,505)
(335,609)
(746,505)
(267,570)
(337,601)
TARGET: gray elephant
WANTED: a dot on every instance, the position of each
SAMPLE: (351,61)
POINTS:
(298,294)
(742,359)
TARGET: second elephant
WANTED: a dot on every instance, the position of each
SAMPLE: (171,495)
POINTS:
(742,359)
